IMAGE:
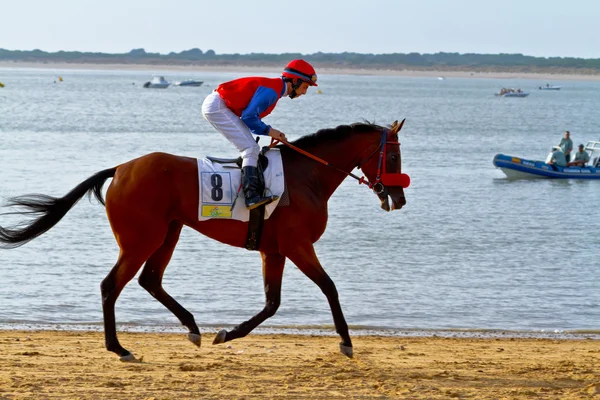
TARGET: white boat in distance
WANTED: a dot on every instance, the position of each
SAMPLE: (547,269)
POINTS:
(549,87)
(189,82)
(157,82)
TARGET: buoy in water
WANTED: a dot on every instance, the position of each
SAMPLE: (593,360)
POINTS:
(319,91)
(1,84)
(60,78)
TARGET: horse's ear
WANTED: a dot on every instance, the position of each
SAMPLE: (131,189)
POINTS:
(397,126)
(401,124)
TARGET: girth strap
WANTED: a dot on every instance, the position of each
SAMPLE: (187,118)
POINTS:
(255,225)
(257,215)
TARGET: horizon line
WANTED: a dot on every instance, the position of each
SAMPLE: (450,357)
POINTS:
(141,49)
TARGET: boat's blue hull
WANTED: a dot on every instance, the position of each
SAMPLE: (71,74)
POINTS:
(515,167)
(513,94)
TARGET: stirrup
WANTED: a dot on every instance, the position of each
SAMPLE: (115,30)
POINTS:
(260,202)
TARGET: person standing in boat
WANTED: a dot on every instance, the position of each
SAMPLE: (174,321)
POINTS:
(581,157)
(566,145)
(236,109)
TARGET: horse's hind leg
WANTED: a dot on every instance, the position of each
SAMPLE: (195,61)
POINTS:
(123,271)
(151,280)
(272,273)
(137,244)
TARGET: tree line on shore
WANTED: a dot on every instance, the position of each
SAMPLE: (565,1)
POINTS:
(416,61)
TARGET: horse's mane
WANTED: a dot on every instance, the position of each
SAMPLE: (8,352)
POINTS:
(335,134)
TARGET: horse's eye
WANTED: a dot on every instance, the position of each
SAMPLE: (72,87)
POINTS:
(395,157)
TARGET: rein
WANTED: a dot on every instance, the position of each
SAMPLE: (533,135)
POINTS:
(377,186)
(274,142)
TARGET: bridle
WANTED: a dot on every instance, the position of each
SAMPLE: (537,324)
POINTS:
(382,179)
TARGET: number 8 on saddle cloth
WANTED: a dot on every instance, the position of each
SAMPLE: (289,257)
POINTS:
(219,182)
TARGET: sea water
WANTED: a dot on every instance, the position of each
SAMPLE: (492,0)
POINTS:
(471,251)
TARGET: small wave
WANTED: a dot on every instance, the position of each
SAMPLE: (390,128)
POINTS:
(323,330)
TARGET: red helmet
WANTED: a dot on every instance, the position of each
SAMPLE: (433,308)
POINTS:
(302,70)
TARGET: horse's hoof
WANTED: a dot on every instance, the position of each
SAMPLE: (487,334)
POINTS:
(130,358)
(346,350)
(220,338)
(195,338)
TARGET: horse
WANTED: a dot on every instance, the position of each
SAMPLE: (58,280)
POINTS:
(152,197)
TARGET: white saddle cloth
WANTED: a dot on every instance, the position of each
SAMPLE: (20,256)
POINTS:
(220,184)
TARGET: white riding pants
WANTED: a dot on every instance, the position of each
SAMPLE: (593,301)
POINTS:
(232,127)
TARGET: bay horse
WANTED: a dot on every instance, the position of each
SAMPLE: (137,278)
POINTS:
(152,197)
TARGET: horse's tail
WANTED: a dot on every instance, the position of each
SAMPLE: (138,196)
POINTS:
(48,210)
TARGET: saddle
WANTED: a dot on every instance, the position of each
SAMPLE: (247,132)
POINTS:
(263,161)
(256,216)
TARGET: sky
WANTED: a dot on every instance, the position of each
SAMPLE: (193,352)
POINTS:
(541,28)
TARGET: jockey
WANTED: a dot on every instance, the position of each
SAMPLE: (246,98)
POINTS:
(236,109)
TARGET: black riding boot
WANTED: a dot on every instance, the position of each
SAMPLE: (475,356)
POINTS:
(254,188)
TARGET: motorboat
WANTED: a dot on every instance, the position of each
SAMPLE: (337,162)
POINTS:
(157,82)
(520,168)
(509,92)
(549,87)
(189,82)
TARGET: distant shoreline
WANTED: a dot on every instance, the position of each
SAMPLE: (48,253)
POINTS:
(543,77)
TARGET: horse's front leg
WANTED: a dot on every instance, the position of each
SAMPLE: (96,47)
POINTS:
(303,255)
(272,273)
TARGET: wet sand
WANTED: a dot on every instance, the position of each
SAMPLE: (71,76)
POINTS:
(192,69)
(75,365)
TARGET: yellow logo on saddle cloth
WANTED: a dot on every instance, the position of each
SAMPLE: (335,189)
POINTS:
(211,211)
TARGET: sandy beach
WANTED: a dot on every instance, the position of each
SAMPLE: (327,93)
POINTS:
(197,69)
(75,365)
